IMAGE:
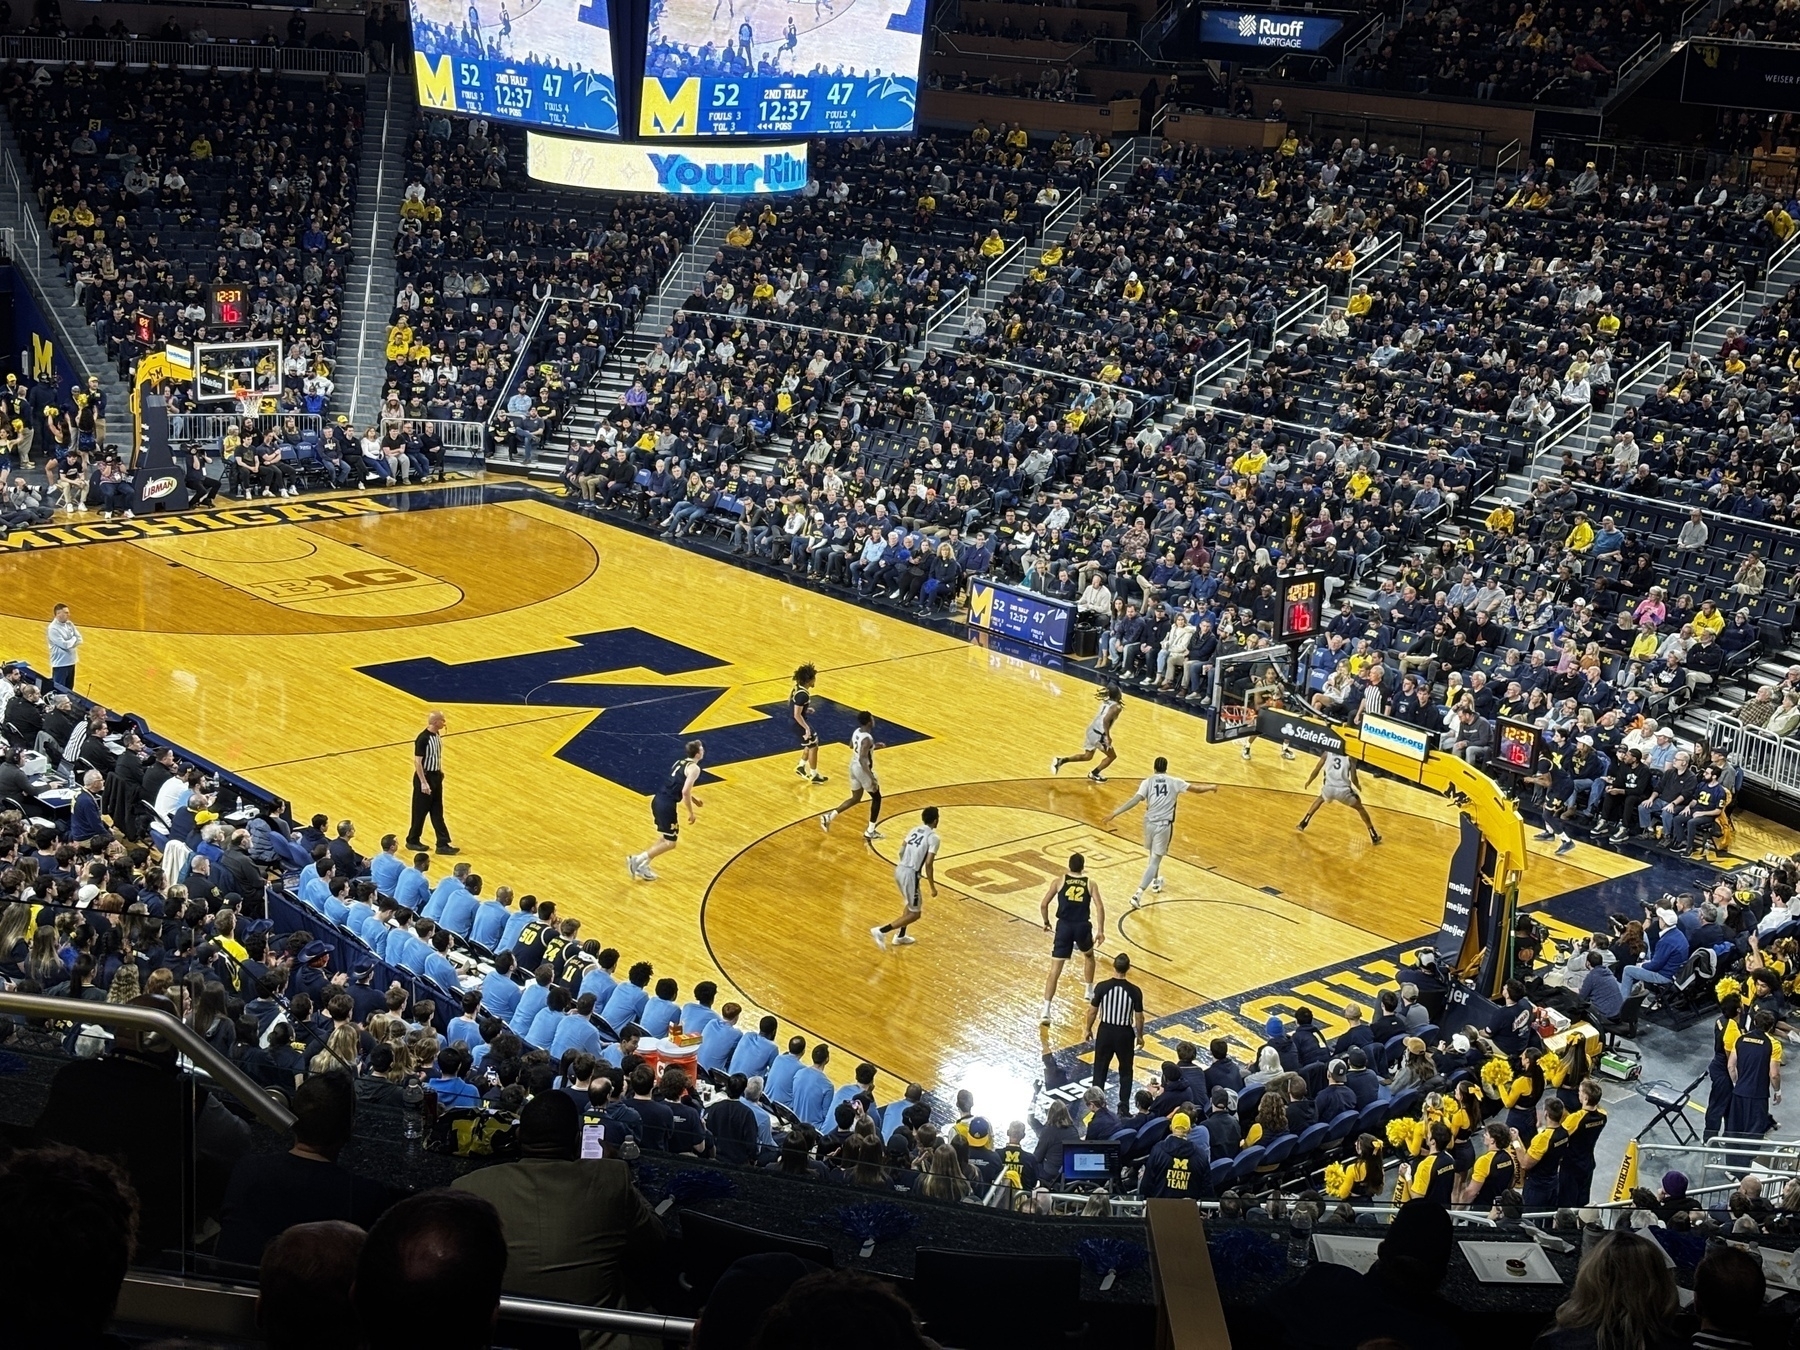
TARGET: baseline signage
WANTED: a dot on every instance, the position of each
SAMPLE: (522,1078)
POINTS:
(1303,733)
(1021,614)
(1460,890)
(712,170)
(1308,33)
(1398,737)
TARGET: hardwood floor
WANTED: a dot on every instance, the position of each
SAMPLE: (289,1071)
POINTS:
(573,659)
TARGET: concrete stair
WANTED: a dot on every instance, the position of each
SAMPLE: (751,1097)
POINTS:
(369,296)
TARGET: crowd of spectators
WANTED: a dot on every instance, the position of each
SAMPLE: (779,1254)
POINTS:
(478,251)
(1518,52)
(159,184)
(885,232)
(1200,248)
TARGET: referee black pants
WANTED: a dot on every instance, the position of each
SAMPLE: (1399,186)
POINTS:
(429,804)
(1111,1043)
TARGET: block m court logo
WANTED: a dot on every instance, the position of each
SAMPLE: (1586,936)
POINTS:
(637,729)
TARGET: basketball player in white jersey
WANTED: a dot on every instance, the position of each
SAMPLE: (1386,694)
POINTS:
(918,860)
(1339,786)
(1099,736)
(863,746)
(1158,793)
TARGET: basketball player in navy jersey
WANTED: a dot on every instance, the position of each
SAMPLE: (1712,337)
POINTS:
(800,703)
(677,791)
(863,746)
(1079,911)
(1099,736)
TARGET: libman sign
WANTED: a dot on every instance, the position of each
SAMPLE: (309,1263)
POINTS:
(704,170)
(1258,28)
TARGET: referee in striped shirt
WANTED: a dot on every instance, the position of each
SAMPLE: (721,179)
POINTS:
(428,785)
(1117,1006)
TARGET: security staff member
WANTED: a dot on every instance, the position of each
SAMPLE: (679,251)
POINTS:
(1180,1166)
(1583,1126)
(1115,1024)
(428,784)
(1540,1160)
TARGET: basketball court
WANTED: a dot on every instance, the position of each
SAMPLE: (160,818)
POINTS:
(301,643)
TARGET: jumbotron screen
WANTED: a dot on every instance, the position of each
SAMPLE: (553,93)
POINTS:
(781,67)
(547,63)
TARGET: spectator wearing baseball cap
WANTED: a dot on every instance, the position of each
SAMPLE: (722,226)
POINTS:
(1180,1166)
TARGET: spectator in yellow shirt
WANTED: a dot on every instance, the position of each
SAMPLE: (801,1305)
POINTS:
(1708,619)
(1251,463)
(993,246)
(1581,538)
(740,235)
(1359,303)
(1134,289)
(1502,519)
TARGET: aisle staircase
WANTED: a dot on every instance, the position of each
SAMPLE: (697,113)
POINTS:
(369,295)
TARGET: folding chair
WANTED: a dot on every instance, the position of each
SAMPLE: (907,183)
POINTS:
(1671,1105)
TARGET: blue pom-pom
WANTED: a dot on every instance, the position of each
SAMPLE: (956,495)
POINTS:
(1685,1249)
(1242,1254)
(1117,1255)
(649,1177)
(875,1222)
(689,1187)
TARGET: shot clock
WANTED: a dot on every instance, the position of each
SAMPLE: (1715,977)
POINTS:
(228,306)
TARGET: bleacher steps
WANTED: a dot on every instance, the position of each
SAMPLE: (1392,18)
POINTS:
(369,292)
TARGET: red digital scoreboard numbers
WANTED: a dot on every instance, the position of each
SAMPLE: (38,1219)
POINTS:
(1301,597)
(230,306)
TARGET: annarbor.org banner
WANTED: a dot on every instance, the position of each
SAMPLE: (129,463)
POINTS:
(1258,28)
(719,170)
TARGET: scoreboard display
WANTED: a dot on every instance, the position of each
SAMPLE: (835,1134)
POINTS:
(780,67)
(544,63)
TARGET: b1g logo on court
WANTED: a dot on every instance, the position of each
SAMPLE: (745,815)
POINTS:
(637,730)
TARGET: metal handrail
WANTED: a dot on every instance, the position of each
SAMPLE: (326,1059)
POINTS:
(1552,439)
(1368,35)
(1236,354)
(1053,217)
(1625,384)
(1315,301)
(1708,316)
(524,358)
(226,55)
(270,1110)
(1767,759)
(1505,155)
(1779,258)
(1452,198)
(1126,148)
(956,304)
(1000,260)
(1386,247)
(600,1319)
(1636,59)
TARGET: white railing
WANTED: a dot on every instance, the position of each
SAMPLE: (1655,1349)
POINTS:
(957,306)
(1636,59)
(1232,358)
(1456,196)
(1783,255)
(1552,440)
(1646,371)
(24,202)
(1506,157)
(523,359)
(1126,149)
(1303,310)
(1715,311)
(227,55)
(1387,247)
(1001,260)
(1769,760)
(1054,216)
(1368,35)
(211,427)
(463,438)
